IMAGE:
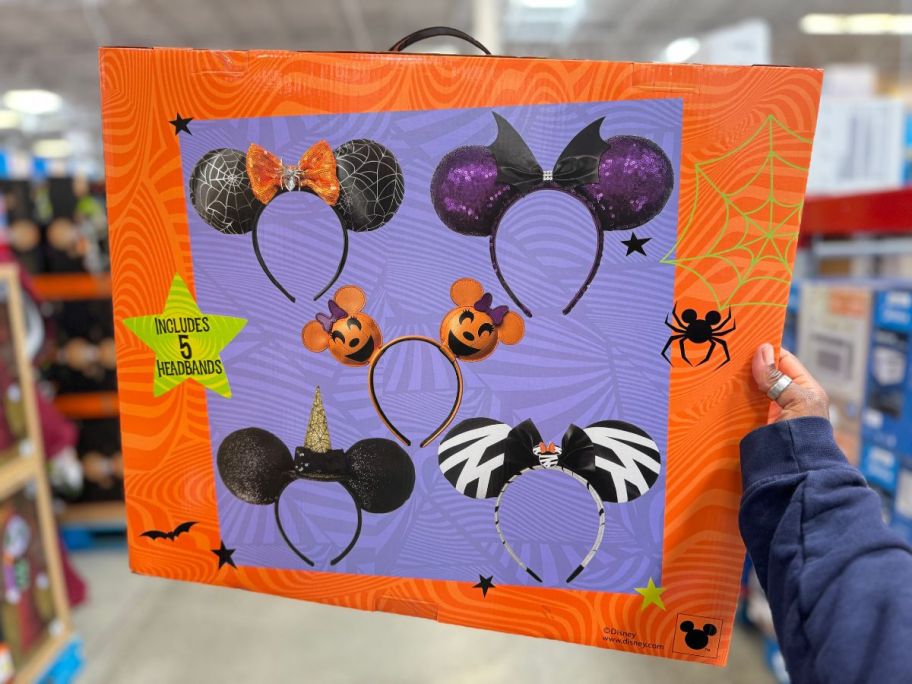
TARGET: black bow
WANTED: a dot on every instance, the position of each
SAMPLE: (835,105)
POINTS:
(577,451)
(577,164)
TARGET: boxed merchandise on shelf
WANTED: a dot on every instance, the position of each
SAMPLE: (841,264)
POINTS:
(790,328)
(887,424)
(859,146)
(834,324)
(58,231)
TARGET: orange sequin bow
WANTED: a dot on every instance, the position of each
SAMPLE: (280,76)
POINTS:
(316,171)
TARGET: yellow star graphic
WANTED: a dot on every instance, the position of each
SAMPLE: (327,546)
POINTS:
(186,342)
(651,594)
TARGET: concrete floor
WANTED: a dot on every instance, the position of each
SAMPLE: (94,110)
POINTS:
(140,629)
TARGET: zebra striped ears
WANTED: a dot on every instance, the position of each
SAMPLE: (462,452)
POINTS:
(472,457)
(627,461)
(619,460)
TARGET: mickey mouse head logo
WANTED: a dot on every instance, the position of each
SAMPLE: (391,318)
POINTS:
(697,639)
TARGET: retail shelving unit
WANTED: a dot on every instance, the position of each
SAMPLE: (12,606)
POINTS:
(872,225)
(37,636)
(82,522)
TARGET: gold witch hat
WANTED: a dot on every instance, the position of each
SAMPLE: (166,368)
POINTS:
(317,438)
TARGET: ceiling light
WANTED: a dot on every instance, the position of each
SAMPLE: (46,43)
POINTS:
(681,50)
(548,4)
(9,119)
(857,24)
(52,148)
(32,101)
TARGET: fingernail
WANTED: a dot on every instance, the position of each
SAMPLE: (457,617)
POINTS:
(766,353)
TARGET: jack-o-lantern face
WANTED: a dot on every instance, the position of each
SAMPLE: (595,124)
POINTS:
(353,337)
(471,334)
(468,333)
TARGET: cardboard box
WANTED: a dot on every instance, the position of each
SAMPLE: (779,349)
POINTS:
(228,214)
(860,145)
(887,430)
(888,414)
(901,515)
(790,327)
(834,332)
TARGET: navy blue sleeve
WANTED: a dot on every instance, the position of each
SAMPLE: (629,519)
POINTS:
(839,582)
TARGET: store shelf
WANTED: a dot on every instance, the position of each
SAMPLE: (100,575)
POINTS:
(93,525)
(875,212)
(86,405)
(72,286)
(104,514)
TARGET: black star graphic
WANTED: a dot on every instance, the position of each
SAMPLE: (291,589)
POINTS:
(181,124)
(635,244)
(224,555)
(485,583)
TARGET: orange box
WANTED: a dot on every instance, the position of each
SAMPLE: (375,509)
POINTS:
(428,433)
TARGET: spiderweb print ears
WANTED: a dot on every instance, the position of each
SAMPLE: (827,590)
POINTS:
(742,230)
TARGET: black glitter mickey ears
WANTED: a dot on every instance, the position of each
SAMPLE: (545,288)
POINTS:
(257,467)
(361,180)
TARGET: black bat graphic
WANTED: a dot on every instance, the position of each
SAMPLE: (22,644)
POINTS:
(176,532)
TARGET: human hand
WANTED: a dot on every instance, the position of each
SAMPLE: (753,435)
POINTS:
(804,397)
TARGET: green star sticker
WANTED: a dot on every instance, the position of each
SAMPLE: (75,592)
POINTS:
(651,595)
(186,342)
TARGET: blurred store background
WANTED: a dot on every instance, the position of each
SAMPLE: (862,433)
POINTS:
(850,315)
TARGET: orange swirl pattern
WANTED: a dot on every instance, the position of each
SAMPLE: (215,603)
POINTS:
(169,475)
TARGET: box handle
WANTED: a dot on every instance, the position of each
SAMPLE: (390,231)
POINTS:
(433,32)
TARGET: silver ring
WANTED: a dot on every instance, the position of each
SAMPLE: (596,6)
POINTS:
(782,382)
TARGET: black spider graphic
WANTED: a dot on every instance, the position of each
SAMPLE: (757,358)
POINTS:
(689,328)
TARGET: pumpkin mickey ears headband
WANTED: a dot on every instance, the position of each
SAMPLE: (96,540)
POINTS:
(469,332)
(615,461)
(624,181)
(361,181)
(257,468)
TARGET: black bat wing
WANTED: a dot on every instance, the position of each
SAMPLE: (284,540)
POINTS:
(155,534)
(176,532)
(183,527)
(515,161)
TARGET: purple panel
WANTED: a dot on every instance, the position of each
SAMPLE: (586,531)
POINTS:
(600,362)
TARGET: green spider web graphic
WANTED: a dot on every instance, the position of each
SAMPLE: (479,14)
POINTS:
(742,228)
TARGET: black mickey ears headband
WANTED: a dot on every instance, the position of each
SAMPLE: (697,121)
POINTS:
(616,462)
(361,181)
(257,467)
(624,181)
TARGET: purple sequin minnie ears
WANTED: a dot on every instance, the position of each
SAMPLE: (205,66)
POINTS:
(360,180)
(625,181)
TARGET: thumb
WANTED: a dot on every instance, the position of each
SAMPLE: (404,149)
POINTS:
(804,397)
